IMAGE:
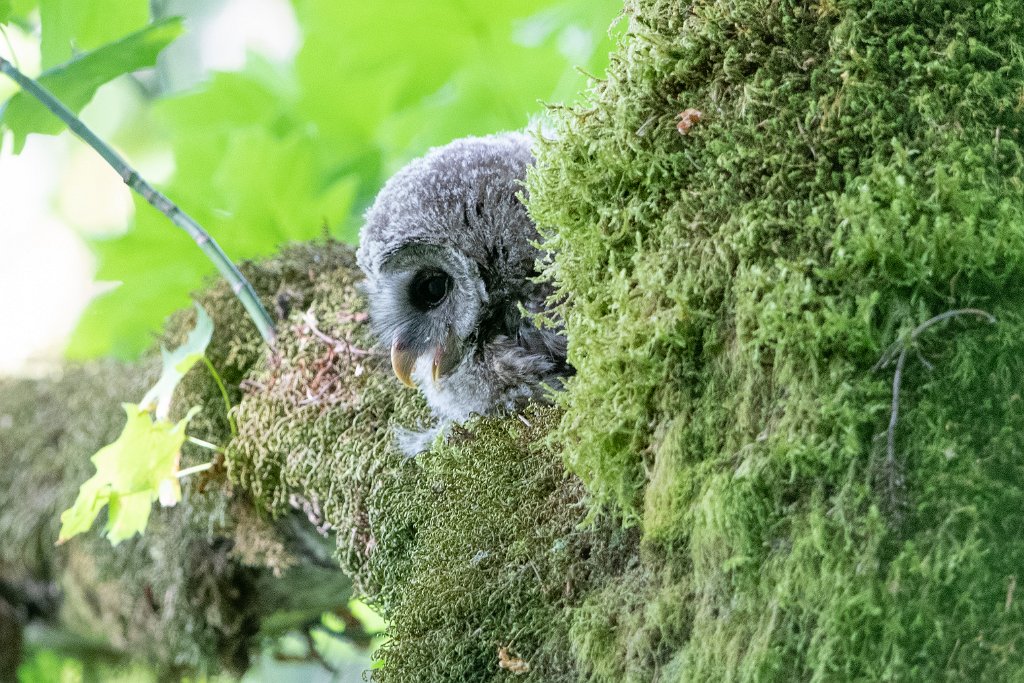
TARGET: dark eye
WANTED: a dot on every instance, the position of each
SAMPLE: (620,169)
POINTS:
(429,288)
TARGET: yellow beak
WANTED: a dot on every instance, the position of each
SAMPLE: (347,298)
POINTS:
(446,357)
(403,362)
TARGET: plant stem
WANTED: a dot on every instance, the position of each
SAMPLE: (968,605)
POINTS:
(205,444)
(897,380)
(194,470)
(224,394)
(239,285)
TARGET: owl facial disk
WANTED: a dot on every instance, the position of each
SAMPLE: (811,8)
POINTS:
(425,303)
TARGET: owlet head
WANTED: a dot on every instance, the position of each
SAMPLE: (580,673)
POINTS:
(447,248)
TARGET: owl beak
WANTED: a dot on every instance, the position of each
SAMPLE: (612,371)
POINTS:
(402,362)
(447,356)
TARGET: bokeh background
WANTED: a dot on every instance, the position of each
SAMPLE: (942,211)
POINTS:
(267,121)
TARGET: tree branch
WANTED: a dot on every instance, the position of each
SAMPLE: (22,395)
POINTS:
(239,284)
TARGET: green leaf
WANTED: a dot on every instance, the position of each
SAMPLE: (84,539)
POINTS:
(5,11)
(177,363)
(141,466)
(258,191)
(368,617)
(76,82)
(72,26)
(130,475)
(268,154)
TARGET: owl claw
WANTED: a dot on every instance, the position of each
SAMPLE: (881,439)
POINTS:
(402,362)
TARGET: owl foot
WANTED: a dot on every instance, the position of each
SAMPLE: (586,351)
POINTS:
(412,442)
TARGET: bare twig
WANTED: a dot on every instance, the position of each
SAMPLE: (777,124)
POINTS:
(339,345)
(239,285)
(901,361)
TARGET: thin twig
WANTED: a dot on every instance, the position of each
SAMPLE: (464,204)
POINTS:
(239,285)
(337,344)
(224,394)
(901,361)
(316,655)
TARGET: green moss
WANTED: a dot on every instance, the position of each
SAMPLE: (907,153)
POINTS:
(315,424)
(728,292)
(471,549)
(494,556)
(48,430)
(210,577)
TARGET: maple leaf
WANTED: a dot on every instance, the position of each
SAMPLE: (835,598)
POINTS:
(143,464)
(131,474)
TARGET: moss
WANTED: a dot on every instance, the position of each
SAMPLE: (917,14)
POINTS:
(41,424)
(727,294)
(495,556)
(471,550)
(315,424)
(713,498)
(211,577)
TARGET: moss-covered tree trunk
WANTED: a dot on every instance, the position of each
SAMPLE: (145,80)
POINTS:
(733,287)
(793,446)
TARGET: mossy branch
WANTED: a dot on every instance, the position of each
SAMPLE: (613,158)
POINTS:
(239,284)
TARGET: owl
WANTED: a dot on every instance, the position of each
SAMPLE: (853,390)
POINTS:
(450,259)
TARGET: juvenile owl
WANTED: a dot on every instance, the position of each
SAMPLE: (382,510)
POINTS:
(450,262)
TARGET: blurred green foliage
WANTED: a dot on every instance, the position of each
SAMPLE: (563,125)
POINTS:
(73,27)
(280,152)
(75,83)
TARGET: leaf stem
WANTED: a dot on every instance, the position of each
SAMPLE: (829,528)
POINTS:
(204,444)
(239,284)
(195,469)
(224,394)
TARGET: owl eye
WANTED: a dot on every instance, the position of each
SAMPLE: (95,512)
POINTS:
(429,288)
